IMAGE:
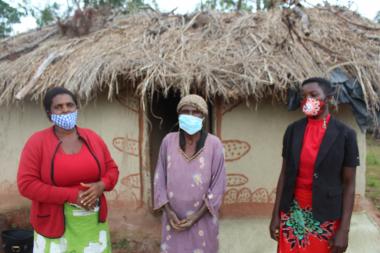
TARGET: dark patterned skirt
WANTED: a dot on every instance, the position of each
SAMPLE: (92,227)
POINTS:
(300,232)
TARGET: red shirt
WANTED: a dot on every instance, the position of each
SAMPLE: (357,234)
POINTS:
(73,169)
(314,133)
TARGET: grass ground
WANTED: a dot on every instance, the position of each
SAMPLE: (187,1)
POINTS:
(373,171)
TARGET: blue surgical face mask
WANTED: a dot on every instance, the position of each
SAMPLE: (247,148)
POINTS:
(65,121)
(189,123)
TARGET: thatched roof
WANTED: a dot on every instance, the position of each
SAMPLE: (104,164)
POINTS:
(235,55)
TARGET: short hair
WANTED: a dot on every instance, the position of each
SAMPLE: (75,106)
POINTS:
(52,93)
(325,85)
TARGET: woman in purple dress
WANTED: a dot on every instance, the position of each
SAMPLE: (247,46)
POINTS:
(189,182)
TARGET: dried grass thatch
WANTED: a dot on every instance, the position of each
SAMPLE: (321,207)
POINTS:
(235,55)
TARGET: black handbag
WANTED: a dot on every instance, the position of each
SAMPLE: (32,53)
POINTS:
(17,241)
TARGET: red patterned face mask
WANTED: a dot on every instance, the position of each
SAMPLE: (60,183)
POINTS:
(312,106)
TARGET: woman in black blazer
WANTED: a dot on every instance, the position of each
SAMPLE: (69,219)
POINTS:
(316,187)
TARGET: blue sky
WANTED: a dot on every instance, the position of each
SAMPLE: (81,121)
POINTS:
(367,8)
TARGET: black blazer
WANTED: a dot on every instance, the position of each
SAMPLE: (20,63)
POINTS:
(339,149)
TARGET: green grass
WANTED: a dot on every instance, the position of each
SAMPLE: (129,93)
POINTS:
(372,160)
(373,171)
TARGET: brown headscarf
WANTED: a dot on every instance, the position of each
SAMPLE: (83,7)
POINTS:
(195,101)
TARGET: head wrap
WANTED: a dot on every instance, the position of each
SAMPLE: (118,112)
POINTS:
(193,100)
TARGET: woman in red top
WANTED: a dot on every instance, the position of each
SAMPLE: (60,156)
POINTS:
(316,188)
(64,170)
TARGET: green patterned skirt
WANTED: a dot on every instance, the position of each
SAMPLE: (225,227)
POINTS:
(83,234)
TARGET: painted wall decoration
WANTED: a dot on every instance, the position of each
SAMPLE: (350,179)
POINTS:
(234,179)
(131,188)
(127,145)
(272,195)
(129,192)
(237,192)
(235,149)
(131,181)
(235,195)
(246,195)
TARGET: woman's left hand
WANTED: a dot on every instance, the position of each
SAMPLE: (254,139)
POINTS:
(189,221)
(94,191)
(339,243)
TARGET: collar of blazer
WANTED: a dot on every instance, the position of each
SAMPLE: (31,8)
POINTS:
(332,132)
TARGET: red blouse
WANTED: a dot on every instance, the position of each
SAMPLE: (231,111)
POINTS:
(314,133)
(73,169)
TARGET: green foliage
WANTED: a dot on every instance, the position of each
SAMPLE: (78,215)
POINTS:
(268,4)
(377,18)
(258,5)
(134,5)
(8,17)
(373,152)
(51,12)
(99,3)
(47,15)
(265,4)
(232,5)
(225,5)
(373,170)
(155,4)
(372,159)
(128,5)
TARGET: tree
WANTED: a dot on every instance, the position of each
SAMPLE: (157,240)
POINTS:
(377,18)
(225,5)
(128,5)
(99,3)
(52,12)
(266,4)
(47,15)
(8,17)
(231,5)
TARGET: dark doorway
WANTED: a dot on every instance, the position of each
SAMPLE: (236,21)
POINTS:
(162,114)
(163,120)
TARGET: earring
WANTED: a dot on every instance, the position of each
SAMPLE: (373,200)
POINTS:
(333,103)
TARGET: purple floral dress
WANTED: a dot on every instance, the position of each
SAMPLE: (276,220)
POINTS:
(187,183)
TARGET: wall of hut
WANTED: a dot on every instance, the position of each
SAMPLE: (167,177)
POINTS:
(252,137)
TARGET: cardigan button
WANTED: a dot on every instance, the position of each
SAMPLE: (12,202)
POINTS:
(316,175)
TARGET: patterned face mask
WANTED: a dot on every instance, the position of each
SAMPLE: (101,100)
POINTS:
(190,124)
(312,106)
(65,121)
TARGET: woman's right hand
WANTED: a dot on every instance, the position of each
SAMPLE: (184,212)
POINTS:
(80,202)
(274,228)
(173,219)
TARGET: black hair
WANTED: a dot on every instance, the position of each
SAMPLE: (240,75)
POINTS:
(325,85)
(52,93)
